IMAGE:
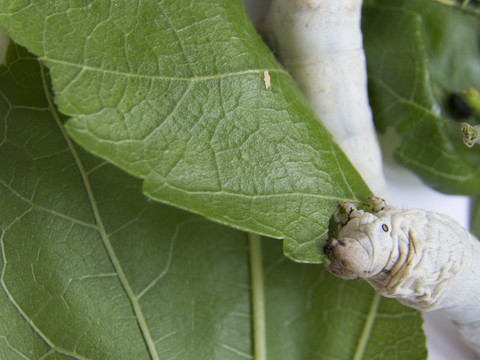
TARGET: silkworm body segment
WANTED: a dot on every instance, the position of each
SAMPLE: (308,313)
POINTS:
(320,44)
(423,259)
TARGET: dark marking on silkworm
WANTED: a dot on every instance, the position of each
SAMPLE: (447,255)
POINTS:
(328,250)
(411,241)
(348,215)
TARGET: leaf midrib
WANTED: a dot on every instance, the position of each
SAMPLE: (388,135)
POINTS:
(137,309)
(367,327)
(258,297)
(161,77)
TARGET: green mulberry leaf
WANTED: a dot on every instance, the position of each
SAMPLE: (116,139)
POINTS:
(419,54)
(92,269)
(174,93)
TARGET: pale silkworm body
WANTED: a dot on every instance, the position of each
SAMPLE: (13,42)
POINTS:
(423,259)
(320,44)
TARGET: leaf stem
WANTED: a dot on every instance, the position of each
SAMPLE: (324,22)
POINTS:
(367,328)
(258,297)
(137,309)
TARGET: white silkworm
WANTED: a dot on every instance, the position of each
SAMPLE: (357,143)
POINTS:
(320,44)
(423,259)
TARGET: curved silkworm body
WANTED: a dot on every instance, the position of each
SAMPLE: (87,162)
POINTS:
(320,44)
(423,259)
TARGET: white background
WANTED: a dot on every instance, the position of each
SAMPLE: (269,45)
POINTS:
(407,191)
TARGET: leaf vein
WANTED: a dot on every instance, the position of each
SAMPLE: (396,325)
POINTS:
(137,309)
(22,313)
(367,328)
(196,78)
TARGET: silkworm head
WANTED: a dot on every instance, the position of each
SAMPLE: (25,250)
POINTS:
(363,246)
(348,258)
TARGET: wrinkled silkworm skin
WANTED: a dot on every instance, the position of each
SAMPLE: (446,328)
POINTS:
(320,44)
(423,259)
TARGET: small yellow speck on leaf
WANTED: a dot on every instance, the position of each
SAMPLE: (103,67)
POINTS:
(266,79)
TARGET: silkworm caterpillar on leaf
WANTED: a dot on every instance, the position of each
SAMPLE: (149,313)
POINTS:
(423,259)
(320,44)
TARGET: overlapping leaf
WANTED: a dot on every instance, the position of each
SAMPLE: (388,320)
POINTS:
(91,269)
(419,53)
(174,92)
